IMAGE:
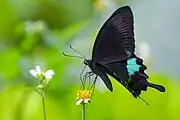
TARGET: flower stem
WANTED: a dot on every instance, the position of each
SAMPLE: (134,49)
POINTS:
(44,108)
(83,111)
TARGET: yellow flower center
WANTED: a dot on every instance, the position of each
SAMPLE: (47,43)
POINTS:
(84,94)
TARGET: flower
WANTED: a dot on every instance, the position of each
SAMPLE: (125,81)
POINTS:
(44,77)
(35,27)
(48,74)
(83,96)
(39,73)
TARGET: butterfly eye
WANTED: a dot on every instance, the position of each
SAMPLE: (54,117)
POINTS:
(86,62)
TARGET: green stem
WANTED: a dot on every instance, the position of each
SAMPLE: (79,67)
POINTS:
(44,108)
(83,111)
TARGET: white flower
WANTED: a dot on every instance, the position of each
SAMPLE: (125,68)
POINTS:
(45,76)
(48,74)
(36,72)
(35,27)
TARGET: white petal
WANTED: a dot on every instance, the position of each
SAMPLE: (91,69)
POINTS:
(86,100)
(38,69)
(48,74)
(33,72)
(77,98)
(78,102)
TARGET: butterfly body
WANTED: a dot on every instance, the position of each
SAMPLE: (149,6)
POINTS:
(113,54)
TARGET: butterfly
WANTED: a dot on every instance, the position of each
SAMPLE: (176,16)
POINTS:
(113,54)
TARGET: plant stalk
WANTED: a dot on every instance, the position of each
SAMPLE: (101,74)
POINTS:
(83,111)
(44,108)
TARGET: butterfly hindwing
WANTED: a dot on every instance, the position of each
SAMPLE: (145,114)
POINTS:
(130,73)
(101,72)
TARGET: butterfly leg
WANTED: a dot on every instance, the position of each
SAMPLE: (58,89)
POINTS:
(86,76)
(93,84)
(81,78)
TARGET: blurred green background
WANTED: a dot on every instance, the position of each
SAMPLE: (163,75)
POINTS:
(36,32)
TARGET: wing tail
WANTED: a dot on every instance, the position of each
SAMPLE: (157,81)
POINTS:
(140,78)
(158,87)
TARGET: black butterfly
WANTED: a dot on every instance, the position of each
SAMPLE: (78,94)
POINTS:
(113,54)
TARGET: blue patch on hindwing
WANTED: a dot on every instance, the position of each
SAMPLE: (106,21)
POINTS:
(132,66)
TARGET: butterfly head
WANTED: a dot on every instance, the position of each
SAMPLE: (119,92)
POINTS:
(88,62)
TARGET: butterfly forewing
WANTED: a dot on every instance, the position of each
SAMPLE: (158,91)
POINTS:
(115,40)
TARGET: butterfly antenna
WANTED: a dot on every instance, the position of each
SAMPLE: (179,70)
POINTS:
(143,100)
(77,52)
(73,56)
